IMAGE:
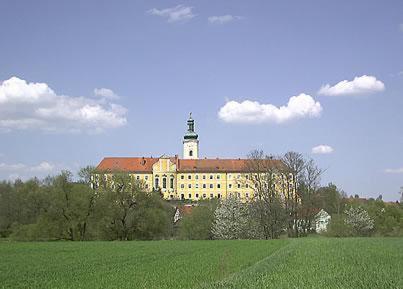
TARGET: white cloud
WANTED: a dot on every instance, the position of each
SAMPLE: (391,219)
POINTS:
(394,171)
(300,106)
(174,14)
(322,149)
(106,93)
(26,105)
(24,171)
(223,19)
(359,85)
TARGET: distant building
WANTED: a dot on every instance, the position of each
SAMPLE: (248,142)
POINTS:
(190,178)
(322,220)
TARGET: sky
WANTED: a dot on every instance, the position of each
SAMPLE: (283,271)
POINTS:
(83,80)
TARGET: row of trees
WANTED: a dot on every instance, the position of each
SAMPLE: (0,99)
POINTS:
(287,196)
(58,208)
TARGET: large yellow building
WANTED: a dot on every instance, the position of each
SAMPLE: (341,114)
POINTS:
(187,178)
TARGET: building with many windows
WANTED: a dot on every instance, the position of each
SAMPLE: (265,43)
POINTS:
(187,178)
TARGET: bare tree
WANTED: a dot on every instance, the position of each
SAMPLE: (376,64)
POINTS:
(267,205)
(292,175)
(308,191)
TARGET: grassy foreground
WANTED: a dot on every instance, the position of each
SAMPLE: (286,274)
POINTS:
(303,263)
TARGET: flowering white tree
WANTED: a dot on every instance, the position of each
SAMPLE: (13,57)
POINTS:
(359,220)
(231,219)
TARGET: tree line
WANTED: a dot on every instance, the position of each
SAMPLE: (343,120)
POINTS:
(287,196)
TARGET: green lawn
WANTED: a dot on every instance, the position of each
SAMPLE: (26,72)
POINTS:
(303,263)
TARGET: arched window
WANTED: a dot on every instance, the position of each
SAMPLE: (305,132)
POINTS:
(164,182)
(190,153)
(171,185)
(157,183)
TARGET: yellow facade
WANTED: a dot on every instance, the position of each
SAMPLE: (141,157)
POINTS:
(189,178)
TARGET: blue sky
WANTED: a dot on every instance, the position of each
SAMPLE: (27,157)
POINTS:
(232,63)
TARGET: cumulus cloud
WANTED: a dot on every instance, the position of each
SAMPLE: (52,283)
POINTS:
(394,171)
(24,171)
(365,84)
(223,19)
(322,149)
(28,105)
(174,14)
(106,93)
(300,106)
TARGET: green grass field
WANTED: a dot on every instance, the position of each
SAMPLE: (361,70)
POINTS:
(303,263)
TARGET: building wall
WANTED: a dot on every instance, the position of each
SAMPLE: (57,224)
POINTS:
(195,185)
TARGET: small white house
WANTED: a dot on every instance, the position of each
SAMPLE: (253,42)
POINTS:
(322,220)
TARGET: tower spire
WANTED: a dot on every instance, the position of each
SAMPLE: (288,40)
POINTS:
(190,141)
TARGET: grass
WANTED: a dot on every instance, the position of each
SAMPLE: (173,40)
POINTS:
(303,263)
(154,264)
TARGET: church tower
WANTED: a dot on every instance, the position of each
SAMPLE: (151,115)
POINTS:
(190,141)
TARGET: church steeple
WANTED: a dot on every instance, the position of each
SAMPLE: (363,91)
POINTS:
(190,134)
(190,141)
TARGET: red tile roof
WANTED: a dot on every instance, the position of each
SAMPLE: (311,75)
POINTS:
(216,165)
(140,165)
(144,165)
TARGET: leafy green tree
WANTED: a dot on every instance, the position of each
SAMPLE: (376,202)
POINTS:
(198,224)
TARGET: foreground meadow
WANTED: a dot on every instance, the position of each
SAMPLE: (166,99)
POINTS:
(303,263)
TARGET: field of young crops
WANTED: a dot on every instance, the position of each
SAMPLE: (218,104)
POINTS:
(303,263)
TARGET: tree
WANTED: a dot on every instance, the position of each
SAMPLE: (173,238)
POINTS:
(266,206)
(359,220)
(198,224)
(331,199)
(309,185)
(231,220)
(292,170)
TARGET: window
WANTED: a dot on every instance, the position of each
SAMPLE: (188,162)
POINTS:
(211,186)
(190,153)
(172,183)
(230,186)
(189,177)
(182,186)
(211,196)
(157,183)
(190,196)
(247,177)
(238,176)
(230,176)
(247,195)
(218,186)
(247,185)
(219,196)
(182,196)
(218,177)
(189,186)
(146,178)
(204,196)
(197,196)
(204,177)
(182,177)
(146,186)
(196,177)
(196,186)
(239,186)
(164,183)
(204,186)
(171,196)
(211,177)
(138,178)
(239,195)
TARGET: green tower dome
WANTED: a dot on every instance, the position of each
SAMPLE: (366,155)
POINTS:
(190,134)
